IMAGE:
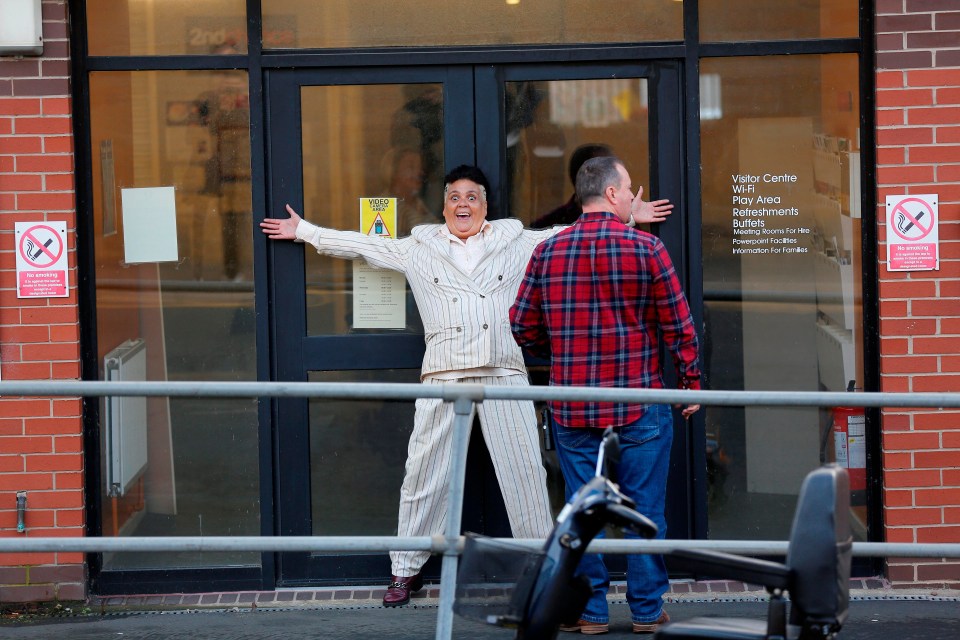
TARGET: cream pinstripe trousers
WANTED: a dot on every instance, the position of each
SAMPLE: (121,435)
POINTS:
(510,431)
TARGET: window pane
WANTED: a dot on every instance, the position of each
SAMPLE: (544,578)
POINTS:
(782,276)
(551,123)
(364,141)
(424,23)
(186,130)
(166,27)
(732,20)
(363,446)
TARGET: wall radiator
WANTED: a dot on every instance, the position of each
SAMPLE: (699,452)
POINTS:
(125,418)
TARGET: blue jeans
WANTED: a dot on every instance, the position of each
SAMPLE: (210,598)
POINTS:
(644,462)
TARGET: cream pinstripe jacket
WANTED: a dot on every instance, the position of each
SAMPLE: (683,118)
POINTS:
(465,316)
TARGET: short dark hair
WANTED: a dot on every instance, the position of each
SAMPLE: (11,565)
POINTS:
(583,153)
(595,176)
(467,172)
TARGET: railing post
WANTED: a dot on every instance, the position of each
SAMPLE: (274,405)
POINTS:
(463,418)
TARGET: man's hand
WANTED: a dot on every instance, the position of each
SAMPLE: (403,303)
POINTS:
(282,229)
(689,410)
(647,212)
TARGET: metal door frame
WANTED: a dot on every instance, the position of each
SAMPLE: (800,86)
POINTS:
(474,133)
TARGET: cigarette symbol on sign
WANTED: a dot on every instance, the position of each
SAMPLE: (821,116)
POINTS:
(41,245)
(914,222)
(30,248)
(905,226)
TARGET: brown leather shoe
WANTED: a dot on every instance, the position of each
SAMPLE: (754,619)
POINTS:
(651,627)
(586,627)
(400,588)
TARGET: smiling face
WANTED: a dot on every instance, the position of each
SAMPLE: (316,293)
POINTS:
(464,208)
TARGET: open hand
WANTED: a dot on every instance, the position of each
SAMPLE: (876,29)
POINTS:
(689,410)
(647,212)
(282,229)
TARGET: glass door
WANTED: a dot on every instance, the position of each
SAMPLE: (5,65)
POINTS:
(335,137)
(545,121)
(338,136)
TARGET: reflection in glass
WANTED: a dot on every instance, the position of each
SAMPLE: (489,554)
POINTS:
(735,20)
(364,141)
(166,27)
(423,23)
(782,274)
(553,125)
(357,456)
(189,130)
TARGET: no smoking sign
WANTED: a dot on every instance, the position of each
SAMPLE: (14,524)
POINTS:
(913,242)
(41,259)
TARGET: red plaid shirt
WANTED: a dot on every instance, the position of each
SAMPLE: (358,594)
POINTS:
(592,300)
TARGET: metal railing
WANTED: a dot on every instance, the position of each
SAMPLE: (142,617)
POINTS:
(464,398)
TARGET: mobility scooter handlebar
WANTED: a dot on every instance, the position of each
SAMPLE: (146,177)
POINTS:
(547,591)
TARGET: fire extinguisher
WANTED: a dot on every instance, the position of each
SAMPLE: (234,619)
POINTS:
(850,444)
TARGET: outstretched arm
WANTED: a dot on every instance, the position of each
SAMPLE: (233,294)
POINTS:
(282,228)
(382,253)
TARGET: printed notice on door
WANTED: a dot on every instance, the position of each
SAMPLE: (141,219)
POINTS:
(379,296)
(766,216)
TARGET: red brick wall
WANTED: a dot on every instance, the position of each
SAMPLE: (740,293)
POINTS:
(40,438)
(918,151)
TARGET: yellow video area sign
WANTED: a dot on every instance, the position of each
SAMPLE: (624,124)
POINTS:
(378,217)
(379,296)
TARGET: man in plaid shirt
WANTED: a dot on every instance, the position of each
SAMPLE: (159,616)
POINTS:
(593,300)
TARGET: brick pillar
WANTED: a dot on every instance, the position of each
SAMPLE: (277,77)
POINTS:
(918,151)
(41,449)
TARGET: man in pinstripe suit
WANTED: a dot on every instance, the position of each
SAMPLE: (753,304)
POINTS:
(464,276)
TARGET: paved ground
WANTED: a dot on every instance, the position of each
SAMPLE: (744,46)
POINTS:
(873,617)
